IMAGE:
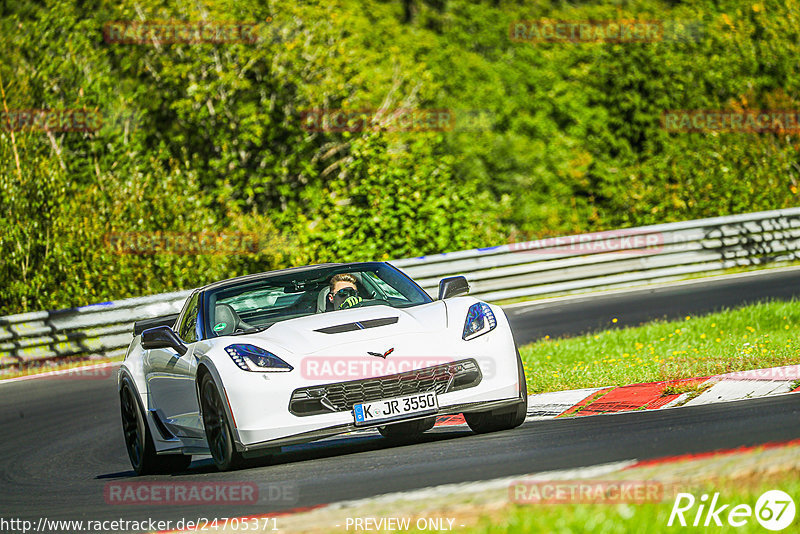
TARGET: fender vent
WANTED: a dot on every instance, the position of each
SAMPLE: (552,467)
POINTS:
(358,325)
(162,428)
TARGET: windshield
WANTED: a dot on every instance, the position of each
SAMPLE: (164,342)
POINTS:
(258,304)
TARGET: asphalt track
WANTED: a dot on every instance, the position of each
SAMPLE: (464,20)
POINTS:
(62,445)
(573,315)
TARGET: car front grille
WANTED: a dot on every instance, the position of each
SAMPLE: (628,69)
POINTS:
(341,396)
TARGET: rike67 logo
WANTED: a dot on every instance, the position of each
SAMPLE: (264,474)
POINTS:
(774,510)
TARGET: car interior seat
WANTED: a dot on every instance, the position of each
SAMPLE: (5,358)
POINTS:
(227,321)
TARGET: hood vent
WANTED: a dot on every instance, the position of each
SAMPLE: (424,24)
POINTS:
(358,325)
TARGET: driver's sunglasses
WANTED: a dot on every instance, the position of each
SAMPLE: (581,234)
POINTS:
(345,290)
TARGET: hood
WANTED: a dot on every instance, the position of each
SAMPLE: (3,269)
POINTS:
(328,332)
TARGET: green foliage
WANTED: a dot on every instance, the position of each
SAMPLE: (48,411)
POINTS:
(549,138)
(397,201)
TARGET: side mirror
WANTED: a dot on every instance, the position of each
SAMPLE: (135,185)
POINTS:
(163,337)
(453,286)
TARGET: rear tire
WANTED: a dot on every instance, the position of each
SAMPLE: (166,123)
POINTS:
(407,430)
(218,431)
(139,441)
(504,418)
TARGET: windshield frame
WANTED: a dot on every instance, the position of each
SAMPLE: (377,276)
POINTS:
(312,275)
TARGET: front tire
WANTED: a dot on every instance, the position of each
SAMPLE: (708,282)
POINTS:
(503,419)
(139,441)
(218,431)
(407,430)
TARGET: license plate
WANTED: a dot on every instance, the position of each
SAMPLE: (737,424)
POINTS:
(395,408)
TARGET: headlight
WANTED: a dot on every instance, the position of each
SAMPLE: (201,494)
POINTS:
(480,320)
(252,358)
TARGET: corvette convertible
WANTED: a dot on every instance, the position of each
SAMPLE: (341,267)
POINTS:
(267,360)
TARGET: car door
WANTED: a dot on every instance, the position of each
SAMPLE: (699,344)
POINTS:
(170,377)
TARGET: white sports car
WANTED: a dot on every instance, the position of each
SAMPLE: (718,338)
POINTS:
(283,357)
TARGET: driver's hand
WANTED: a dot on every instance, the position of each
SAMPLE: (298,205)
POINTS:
(349,302)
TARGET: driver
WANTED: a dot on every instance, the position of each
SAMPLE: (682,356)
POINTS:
(343,293)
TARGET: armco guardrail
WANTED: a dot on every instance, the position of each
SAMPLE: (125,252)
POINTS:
(103,329)
(616,258)
(559,265)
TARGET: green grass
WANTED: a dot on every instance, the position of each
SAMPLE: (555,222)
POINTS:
(636,518)
(684,387)
(752,337)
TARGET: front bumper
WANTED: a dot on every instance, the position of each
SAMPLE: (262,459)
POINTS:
(255,429)
(261,402)
(327,432)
